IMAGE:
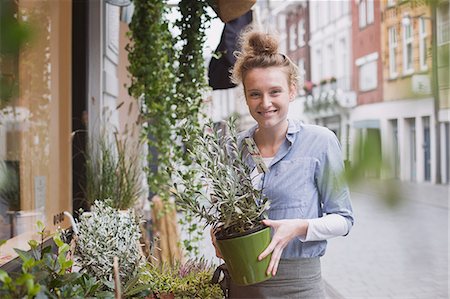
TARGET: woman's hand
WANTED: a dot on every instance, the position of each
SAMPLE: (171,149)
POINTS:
(213,239)
(285,231)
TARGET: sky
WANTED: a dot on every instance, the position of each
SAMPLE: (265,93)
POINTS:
(213,33)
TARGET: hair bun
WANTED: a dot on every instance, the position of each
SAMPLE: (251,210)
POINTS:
(259,43)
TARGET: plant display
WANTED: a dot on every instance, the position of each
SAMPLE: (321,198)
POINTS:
(229,199)
(112,172)
(103,234)
(191,279)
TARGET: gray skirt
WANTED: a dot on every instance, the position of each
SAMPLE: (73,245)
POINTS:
(300,278)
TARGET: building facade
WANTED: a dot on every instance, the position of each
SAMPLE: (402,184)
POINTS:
(367,81)
(442,17)
(331,68)
(408,135)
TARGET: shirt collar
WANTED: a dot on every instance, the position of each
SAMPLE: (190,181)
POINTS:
(294,126)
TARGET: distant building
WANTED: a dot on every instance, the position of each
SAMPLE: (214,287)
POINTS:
(331,68)
(406,115)
(443,66)
(367,81)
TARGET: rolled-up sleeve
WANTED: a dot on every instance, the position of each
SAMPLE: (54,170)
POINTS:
(330,179)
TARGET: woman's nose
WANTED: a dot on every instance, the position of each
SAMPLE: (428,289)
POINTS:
(265,101)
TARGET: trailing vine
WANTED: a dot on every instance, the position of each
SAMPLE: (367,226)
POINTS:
(191,72)
(151,56)
(170,81)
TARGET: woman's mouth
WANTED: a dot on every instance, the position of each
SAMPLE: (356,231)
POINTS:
(267,113)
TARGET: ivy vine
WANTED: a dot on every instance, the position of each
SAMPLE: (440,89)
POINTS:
(168,76)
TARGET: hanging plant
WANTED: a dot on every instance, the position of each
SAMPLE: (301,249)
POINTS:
(170,81)
(151,56)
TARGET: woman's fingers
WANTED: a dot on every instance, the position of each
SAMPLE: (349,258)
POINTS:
(213,240)
(274,261)
(267,251)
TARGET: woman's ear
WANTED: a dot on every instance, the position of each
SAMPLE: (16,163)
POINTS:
(292,92)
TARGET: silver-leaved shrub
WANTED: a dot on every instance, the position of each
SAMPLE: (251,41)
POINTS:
(104,233)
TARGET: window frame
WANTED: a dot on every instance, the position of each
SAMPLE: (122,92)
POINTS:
(392,46)
(408,42)
(390,3)
(292,37)
(363,70)
(362,14)
(423,44)
(301,33)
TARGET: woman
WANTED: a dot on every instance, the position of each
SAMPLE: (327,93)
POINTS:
(309,200)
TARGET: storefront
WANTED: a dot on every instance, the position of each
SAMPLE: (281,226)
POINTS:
(35,123)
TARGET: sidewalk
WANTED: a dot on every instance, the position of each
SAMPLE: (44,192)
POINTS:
(391,252)
(398,251)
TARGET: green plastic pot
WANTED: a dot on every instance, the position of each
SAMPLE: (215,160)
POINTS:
(241,256)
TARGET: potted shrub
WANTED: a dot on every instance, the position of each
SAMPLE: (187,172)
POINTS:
(103,234)
(229,203)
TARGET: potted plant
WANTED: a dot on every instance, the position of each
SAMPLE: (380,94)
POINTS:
(191,279)
(113,172)
(45,273)
(103,234)
(229,202)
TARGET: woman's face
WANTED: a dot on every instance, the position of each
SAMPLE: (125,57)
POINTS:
(268,93)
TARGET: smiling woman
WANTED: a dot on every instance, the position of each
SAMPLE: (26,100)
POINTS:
(310,202)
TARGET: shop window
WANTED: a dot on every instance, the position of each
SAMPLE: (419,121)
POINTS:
(35,124)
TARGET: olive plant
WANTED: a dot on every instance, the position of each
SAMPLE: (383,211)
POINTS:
(228,199)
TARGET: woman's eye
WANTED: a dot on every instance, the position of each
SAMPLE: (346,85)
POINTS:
(254,94)
(275,92)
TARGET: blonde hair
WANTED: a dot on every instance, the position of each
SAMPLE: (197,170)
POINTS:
(260,50)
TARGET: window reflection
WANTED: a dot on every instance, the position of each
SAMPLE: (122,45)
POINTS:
(32,116)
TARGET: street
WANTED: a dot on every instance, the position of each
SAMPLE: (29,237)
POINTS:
(392,252)
(396,252)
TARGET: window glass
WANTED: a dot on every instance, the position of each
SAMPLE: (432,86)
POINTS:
(301,33)
(422,44)
(362,13)
(392,52)
(330,67)
(319,65)
(407,49)
(370,11)
(368,76)
(35,124)
(292,43)
(443,23)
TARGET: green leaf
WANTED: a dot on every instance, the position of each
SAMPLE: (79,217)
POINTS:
(4,275)
(58,241)
(40,226)
(33,244)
